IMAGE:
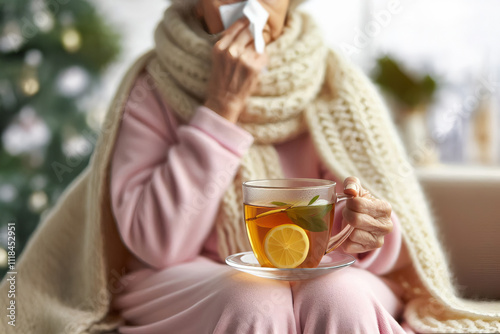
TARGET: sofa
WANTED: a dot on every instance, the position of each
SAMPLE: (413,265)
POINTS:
(466,204)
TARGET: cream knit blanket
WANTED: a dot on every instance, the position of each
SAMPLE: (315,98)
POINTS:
(68,273)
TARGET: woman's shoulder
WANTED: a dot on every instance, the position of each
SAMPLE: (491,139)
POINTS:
(145,104)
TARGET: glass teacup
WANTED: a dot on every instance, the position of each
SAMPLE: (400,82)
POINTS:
(289,221)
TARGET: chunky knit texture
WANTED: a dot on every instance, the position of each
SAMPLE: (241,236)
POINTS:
(274,114)
(68,272)
(310,88)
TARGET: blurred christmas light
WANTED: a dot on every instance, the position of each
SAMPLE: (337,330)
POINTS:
(71,40)
(73,81)
(26,134)
(38,201)
(33,57)
(44,20)
(8,193)
(77,146)
(3,258)
(11,38)
(95,118)
(30,86)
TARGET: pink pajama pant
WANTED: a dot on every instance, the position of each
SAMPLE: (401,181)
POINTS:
(203,296)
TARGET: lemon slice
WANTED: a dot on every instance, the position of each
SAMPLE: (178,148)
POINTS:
(286,246)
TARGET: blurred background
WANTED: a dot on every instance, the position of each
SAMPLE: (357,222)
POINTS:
(435,62)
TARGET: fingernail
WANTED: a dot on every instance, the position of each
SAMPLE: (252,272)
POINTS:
(353,186)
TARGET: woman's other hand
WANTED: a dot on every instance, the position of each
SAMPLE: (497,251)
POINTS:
(371,218)
(235,71)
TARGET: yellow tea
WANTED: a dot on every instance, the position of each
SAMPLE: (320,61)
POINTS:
(288,236)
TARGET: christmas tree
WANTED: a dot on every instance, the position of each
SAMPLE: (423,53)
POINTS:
(52,54)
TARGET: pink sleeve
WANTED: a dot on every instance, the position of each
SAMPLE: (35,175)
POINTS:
(167,180)
(379,261)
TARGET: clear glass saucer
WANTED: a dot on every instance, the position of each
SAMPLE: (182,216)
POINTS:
(247,262)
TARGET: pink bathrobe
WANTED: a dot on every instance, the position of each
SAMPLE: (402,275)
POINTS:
(166,188)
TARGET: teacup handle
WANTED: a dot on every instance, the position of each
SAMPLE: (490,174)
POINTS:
(342,236)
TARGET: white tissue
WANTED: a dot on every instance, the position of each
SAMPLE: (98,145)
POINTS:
(231,13)
(256,14)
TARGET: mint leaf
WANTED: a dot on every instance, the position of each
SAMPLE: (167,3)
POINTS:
(306,224)
(291,215)
(300,221)
(280,204)
(308,211)
(327,209)
(318,225)
(309,217)
(314,199)
(313,224)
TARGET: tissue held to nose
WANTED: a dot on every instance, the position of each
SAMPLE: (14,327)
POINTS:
(236,63)
(256,14)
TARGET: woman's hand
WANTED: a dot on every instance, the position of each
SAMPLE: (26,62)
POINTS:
(235,70)
(371,218)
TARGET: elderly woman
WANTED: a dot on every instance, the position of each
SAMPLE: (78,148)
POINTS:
(137,242)
(177,168)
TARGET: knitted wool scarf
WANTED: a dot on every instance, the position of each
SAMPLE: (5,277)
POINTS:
(275,113)
(308,87)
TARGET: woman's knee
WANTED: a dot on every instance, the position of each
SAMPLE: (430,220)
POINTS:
(334,289)
(339,302)
(253,305)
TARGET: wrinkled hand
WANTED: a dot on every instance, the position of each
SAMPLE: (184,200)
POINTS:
(235,70)
(370,217)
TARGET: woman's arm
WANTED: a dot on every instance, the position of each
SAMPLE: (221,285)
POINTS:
(167,181)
